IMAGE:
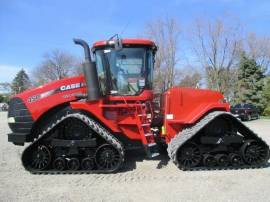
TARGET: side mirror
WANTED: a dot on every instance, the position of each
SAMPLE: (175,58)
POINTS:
(116,41)
(118,45)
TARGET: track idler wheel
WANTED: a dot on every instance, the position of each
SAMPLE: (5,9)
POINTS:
(222,159)
(88,163)
(59,163)
(107,158)
(41,158)
(209,160)
(235,159)
(73,164)
(189,156)
(254,153)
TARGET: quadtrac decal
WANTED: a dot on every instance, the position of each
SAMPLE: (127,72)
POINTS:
(54,91)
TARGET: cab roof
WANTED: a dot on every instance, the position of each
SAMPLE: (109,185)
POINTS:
(139,41)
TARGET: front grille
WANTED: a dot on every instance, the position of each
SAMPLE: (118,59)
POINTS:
(23,119)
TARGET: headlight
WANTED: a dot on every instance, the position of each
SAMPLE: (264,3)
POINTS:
(11,120)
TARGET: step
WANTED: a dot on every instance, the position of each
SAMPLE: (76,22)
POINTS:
(151,150)
(152,144)
(153,155)
(148,134)
(142,114)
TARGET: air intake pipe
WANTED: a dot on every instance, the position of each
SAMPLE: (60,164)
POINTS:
(90,72)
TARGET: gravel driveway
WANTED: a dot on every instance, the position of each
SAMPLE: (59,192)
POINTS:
(141,180)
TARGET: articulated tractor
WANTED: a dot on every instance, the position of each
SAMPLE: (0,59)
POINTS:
(86,124)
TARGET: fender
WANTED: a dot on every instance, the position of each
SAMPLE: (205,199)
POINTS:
(185,106)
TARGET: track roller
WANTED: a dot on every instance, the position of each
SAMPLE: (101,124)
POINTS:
(88,163)
(222,159)
(59,163)
(73,164)
(209,160)
(235,159)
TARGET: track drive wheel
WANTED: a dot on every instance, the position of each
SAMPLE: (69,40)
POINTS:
(108,158)
(254,153)
(189,156)
(41,158)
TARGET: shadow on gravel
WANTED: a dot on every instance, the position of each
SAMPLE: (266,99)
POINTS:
(134,156)
(267,165)
(163,160)
(131,158)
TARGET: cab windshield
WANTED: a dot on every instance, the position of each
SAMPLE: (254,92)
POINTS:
(124,72)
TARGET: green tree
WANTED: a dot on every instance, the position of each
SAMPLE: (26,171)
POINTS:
(2,98)
(250,82)
(20,83)
(266,95)
(266,91)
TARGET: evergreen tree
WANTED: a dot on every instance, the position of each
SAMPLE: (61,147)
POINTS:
(250,83)
(20,83)
(266,92)
(2,98)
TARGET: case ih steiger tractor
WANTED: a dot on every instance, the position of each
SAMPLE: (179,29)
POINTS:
(87,123)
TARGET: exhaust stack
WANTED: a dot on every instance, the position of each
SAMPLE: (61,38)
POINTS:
(90,72)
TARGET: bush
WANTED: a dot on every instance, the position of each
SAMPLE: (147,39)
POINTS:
(266,111)
(4,98)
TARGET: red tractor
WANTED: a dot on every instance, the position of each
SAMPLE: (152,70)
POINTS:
(87,123)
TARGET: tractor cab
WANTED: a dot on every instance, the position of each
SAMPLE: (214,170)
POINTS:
(124,67)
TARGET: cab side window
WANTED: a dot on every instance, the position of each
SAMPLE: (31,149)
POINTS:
(101,74)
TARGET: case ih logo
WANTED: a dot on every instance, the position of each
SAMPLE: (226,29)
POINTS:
(71,86)
(54,91)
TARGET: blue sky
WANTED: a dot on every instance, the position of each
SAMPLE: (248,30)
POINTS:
(30,28)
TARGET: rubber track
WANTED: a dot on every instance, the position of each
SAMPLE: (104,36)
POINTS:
(189,132)
(105,134)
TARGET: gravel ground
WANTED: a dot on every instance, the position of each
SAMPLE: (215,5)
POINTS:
(141,180)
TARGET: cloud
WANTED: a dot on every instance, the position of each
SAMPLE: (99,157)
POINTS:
(8,72)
